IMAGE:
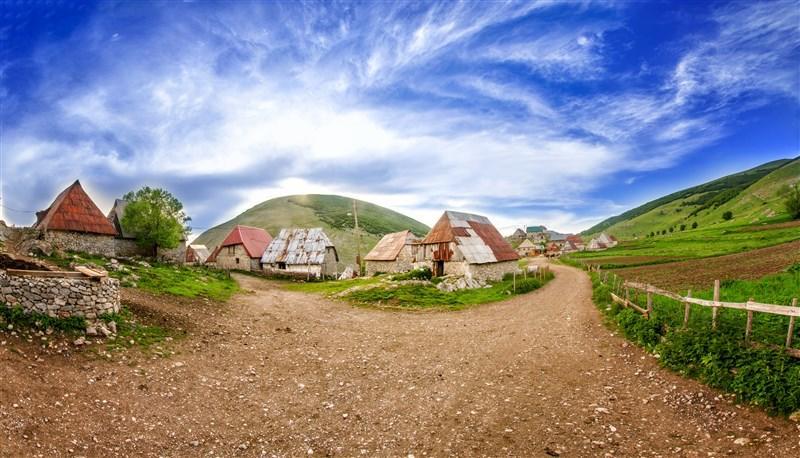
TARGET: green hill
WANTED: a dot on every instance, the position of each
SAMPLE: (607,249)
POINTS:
(752,197)
(326,211)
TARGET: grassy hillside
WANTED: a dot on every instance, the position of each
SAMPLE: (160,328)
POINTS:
(326,211)
(751,196)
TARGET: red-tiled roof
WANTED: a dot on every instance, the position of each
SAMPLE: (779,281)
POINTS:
(254,239)
(73,210)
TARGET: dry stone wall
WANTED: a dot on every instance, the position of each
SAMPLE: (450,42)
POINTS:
(101,245)
(60,297)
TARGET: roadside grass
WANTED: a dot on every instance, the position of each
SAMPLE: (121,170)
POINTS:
(131,332)
(381,293)
(692,244)
(18,318)
(162,278)
(762,375)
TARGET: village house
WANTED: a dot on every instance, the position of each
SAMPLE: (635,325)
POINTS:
(241,249)
(577,242)
(301,251)
(125,243)
(607,240)
(517,236)
(74,223)
(468,245)
(393,253)
(557,238)
(553,250)
(528,248)
(197,254)
(596,245)
(536,234)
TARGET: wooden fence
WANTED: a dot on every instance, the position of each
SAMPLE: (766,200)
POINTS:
(620,286)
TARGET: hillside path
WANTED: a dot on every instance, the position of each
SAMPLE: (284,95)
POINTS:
(290,374)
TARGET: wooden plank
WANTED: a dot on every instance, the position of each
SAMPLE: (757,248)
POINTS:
(749,327)
(90,272)
(715,311)
(649,304)
(654,289)
(687,308)
(784,310)
(790,334)
(44,273)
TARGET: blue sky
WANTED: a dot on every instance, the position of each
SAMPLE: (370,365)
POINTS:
(529,112)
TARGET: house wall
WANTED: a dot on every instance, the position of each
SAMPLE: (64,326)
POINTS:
(227,256)
(403,263)
(329,265)
(60,297)
(492,271)
(101,245)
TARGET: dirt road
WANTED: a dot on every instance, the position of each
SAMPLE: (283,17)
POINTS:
(289,374)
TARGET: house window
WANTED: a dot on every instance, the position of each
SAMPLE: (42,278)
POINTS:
(231,250)
(282,265)
(237,260)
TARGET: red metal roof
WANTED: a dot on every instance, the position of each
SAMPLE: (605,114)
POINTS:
(73,210)
(254,239)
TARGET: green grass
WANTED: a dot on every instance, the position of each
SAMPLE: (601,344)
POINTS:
(698,243)
(416,296)
(17,317)
(763,376)
(131,332)
(177,280)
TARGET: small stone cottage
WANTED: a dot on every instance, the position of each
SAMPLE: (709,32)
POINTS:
(301,251)
(125,242)
(528,248)
(74,223)
(393,253)
(197,254)
(241,249)
(468,245)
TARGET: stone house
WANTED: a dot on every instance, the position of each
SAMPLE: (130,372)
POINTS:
(393,253)
(241,249)
(301,251)
(607,240)
(197,254)
(528,248)
(74,223)
(468,245)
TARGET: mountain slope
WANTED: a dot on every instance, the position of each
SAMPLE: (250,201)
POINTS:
(326,211)
(751,195)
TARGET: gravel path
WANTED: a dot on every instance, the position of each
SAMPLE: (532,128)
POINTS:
(288,374)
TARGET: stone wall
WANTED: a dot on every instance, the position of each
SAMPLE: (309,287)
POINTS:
(60,297)
(101,245)
(125,248)
(235,257)
(492,271)
(403,263)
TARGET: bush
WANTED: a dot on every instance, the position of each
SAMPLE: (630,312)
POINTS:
(423,273)
(791,196)
(694,225)
(727,216)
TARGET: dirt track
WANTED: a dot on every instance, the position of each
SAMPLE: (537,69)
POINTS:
(290,374)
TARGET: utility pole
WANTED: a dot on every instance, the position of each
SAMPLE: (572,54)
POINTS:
(358,237)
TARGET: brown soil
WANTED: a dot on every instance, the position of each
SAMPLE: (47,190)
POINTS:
(701,273)
(627,260)
(288,374)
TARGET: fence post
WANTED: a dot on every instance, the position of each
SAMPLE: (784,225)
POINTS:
(649,303)
(687,307)
(790,334)
(627,296)
(715,310)
(515,282)
(749,327)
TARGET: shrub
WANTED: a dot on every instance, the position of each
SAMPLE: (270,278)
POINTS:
(694,225)
(791,200)
(727,216)
(423,273)
(683,227)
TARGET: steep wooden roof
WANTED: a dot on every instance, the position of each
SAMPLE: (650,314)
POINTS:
(73,210)
(389,247)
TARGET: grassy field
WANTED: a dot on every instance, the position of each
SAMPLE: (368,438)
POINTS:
(377,291)
(693,244)
(763,375)
(185,281)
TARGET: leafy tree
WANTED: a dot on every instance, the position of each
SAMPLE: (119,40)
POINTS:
(727,216)
(683,227)
(652,234)
(671,229)
(156,218)
(791,200)
(664,232)
(694,225)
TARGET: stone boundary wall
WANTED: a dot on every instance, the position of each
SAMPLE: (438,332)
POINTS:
(60,297)
(101,245)
(492,271)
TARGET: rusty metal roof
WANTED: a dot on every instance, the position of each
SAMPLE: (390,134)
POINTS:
(479,241)
(298,246)
(73,210)
(389,247)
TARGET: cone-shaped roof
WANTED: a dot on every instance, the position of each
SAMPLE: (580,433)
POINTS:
(73,210)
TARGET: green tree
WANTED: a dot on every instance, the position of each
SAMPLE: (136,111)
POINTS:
(664,232)
(727,216)
(791,200)
(156,218)
(652,234)
(683,227)
(694,225)
(671,229)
